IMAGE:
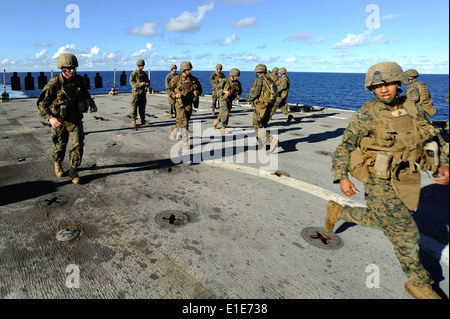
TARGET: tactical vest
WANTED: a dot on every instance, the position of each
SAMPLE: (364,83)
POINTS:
(268,93)
(70,101)
(284,93)
(186,87)
(400,142)
(141,77)
(425,98)
(232,87)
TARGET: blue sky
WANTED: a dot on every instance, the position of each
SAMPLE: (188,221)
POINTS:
(303,36)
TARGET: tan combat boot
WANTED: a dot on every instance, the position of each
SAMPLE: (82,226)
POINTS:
(58,170)
(215,123)
(73,173)
(273,145)
(144,122)
(333,215)
(213,112)
(425,292)
(223,130)
(133,123)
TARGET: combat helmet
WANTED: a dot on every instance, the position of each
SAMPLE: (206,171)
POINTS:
(235,72)
(412,73)
(219,67)
(282,71)
(275,70)
(261,68)
(185,65)
(173,66)
(385,72)
(67,60)
(140,62)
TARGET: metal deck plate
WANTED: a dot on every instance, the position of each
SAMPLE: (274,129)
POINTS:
(318,237)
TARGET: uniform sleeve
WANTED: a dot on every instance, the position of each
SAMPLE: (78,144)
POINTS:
(45,100)
(133,80)
(170,89)
(356,130)
(199,87)
(412,93)
(255,91)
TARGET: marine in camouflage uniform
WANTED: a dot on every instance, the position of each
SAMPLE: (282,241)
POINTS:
(283,86)
(139,82)
(260,101)
(418,92)
(62,102)
(186,90)
(386,210)
(228,90)
(215,78)
(169,77)
(274,75)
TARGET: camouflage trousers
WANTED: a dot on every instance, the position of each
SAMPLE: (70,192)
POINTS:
(281,105)
(385,211)
(183,116)
(60,138)
(138,103)
(215,97)
(261,118)
(224,112)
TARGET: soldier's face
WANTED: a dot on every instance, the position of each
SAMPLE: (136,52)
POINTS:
(70,72)
(385,91)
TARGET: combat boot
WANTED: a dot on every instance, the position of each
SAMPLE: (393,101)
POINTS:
(273,145)
(223,130)
(58,169)
(333,215)
(213,112)
(144,122)
(73,173)
(133,123)
(425,292)
(215,123)
(290,117)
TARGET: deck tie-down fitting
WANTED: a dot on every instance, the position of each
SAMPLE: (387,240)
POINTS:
(324,238)
(172,218)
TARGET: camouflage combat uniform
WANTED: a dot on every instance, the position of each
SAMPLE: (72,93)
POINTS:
(385,210)
(138,95)
(185,86)
(262,107)
(49,104)
(226,103)
(419,94)
(215,80)
(283,86)
(172,109)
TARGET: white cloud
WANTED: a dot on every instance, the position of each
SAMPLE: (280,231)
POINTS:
(187,21)
(40,54)
(69,48)
(143,53)
(353,40)
(290,60)
(300,36)
(229,40)
(47,43)
(94,51)
(147,30)
(247,22)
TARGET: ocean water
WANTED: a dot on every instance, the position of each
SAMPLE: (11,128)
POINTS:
(333,90)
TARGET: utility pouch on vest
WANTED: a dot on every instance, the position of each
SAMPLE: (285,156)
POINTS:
(427,105)
(383,165)
(407,185)
(63,110)
(358,167)
(83,106)
(432,155)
